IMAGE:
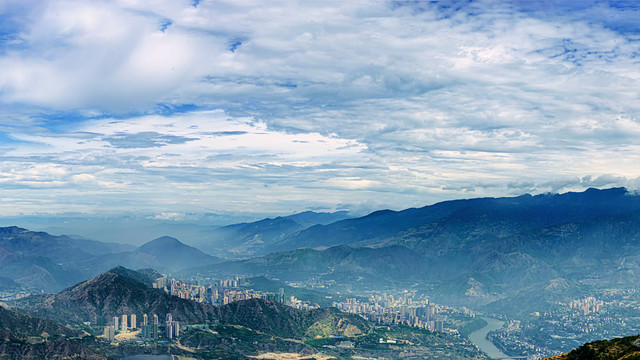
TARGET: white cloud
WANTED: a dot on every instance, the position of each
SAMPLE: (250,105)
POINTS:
(320,103)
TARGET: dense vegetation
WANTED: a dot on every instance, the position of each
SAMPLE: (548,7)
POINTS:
(627,348)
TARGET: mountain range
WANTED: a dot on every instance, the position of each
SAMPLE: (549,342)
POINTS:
(474,252)
(477,251)
(474,222)
(40,261)
(258,238)
(43,262)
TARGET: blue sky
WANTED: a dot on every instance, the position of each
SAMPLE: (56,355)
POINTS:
(168,107)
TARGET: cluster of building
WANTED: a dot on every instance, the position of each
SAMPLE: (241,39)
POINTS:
(147,330)
(300,304)
(221,293)
(587,305)
(172,328)
(567,325)
(181,289)
(150,330)
(402,309)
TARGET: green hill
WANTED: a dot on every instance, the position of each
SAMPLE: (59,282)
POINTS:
(117,292)
(26,337)
(627,348)
(110,294)
(16,325)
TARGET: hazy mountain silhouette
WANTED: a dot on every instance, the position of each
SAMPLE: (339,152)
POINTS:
(248,239)
(474,251)
(47,262)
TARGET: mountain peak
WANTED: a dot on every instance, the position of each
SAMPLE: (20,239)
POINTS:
(146,276)
(8,230)
(164,243)
(165,240)
(174,255)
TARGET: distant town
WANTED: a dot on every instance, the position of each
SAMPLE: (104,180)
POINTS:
(542,334)
(405,309)
(608,314)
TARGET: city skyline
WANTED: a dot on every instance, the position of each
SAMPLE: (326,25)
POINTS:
(179,109)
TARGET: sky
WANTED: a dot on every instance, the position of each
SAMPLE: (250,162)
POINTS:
(174,109)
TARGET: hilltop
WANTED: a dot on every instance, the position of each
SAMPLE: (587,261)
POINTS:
(615,349)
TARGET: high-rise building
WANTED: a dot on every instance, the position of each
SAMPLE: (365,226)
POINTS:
(169,329)
(145,319)
(124,323)
(116,321)
(176,330)
(109,333)
(133,321)
(155,326)
(169,326)
(147,332)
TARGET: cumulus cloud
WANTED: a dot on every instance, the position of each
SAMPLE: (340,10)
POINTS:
(288,106)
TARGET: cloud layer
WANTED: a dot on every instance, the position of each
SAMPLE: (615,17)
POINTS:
(241,106)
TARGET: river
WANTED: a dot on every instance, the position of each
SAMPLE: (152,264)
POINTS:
(479,338)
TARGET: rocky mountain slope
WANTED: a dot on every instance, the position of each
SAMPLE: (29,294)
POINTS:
(16,325)
(26,337)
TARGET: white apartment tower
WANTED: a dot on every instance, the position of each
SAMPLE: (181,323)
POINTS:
(133,321)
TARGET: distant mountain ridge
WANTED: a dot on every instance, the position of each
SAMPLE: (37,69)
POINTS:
(165,253)
(477,251)
(519,214)
(481,250)
(173,254)
(257,238)
(42,261)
